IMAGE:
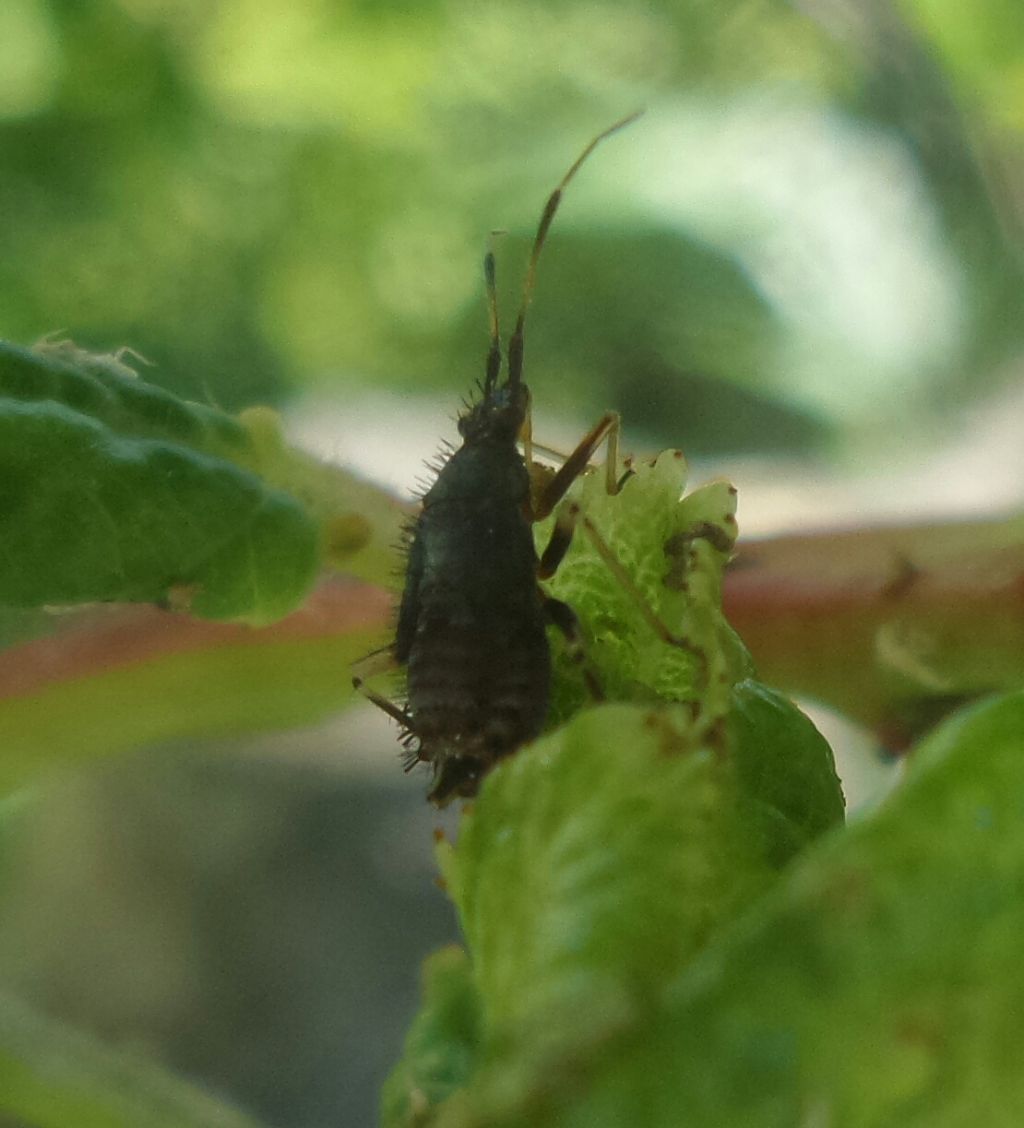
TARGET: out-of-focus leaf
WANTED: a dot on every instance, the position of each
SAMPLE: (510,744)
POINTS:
(313,205)
(114,489)
(107,389)
(982,48)
(787,777)
(877,984)
(593,868)
(88,516)
(444,1043)
(54,1077)
(149,677)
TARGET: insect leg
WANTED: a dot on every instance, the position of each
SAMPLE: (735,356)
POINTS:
(562,616)
(379,662)
(566,520)
(569,516)
(606,429)
(526,438)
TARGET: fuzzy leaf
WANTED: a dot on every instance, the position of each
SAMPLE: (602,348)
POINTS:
(674,550)
(787,777)
(443,1045)
(105,388)
(877,984)
(594,867)
(54,1077)
(114,489)
(88,515)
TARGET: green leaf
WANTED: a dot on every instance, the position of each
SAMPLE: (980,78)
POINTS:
(594,867)
(574,840)
(104,388)
(787,775)
(54,1077)
(115,489)
(444,1043)
(877,984)
(221,688)
(88,515)
(674,549)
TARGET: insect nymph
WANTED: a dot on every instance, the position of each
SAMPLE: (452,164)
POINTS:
(473,619)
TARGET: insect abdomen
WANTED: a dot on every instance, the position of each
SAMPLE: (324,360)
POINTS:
(483,691)
(476,651)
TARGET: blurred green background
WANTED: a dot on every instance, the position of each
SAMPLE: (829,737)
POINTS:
(808,248)
(813,234)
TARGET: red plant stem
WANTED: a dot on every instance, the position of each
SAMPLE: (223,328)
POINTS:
(889,625)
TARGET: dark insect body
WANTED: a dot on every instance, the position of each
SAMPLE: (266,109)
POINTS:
(471,629)
(472,622)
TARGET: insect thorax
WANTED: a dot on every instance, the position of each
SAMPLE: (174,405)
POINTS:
(488,471)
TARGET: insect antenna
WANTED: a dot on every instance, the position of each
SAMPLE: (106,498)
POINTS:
(516,341)
(494,352)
